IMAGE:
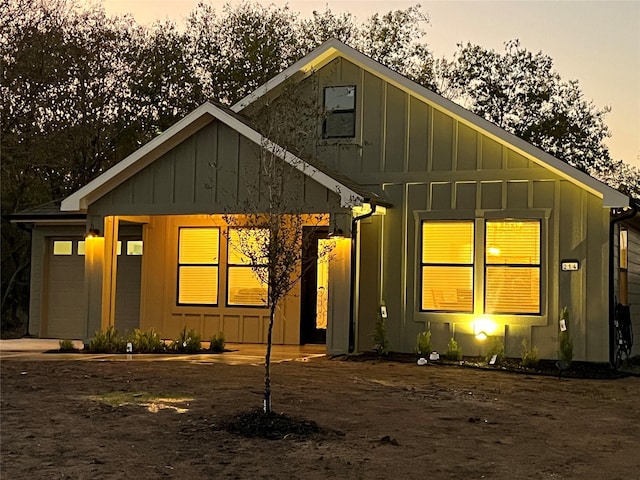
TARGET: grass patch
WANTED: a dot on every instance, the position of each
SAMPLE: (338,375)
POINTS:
(153,403)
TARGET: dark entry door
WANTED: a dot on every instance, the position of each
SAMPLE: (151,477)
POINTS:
(314,286)
(128,280)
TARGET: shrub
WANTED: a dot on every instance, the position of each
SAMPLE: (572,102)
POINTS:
(147,342)
(497,349)
(216,343)
(529,355)
(423,343)
(566,343)
(380,339)
(454,352)
(66,345)
(107,342)
(187,342)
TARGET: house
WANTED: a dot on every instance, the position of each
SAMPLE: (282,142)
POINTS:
(451,223)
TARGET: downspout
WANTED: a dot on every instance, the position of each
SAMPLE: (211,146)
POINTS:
(612,304)
(352,284)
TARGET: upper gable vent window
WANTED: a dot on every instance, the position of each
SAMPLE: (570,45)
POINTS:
(340,107)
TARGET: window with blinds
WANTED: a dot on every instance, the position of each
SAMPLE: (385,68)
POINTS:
(447,266)
(246,285)
(512,266)
(198,266)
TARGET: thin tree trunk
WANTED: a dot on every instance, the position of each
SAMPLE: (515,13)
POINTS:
(267,363)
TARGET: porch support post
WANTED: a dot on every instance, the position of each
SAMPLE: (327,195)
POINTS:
(109,271)
(93,262)
(339,298)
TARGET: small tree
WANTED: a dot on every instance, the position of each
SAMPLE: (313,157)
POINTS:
(270,233)
(272,243)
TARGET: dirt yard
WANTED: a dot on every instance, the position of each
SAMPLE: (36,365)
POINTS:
(154,420)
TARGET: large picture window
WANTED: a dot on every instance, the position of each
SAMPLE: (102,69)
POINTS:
(198,266)
(512,266)
(245,254)
(447,266)
(340,110)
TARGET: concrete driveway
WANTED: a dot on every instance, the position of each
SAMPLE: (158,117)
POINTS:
(240,353)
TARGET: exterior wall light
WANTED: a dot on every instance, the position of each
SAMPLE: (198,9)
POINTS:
(92,233)
(337,233)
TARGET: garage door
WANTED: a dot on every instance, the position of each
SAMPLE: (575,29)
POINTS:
(65,285)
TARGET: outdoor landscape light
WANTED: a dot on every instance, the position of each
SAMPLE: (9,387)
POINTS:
(483,327)
(482,336)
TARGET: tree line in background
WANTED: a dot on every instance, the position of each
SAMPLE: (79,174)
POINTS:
(81,90)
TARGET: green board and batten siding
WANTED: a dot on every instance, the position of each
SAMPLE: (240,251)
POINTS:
(212,171)
(209,172)
(428,163)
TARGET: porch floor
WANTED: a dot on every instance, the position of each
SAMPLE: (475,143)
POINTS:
(239,353)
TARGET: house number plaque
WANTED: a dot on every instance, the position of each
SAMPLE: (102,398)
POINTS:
(570,265)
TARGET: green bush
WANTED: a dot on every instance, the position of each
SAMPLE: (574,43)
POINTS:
(187,342)
(216,343)
(380,339)
(497,349)
(66,345)
(423,343)
(454,352)
(107,342)
(529,355)
(147,342)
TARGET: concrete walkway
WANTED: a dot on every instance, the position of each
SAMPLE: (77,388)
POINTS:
(240,353)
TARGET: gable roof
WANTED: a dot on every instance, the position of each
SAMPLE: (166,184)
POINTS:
(46,213)
(348,191)
(333,49)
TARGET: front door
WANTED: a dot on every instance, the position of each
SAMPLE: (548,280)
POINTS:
(128,279)
(314,286)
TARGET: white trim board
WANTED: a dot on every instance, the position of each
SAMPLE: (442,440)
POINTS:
(333,48)
(203,115)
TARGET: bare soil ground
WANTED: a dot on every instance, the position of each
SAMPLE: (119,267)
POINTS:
(380,420)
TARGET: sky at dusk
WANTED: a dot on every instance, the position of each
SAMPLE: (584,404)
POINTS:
(595,42)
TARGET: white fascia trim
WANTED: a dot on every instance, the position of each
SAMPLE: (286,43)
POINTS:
(318,57)
(80,200)
(332,48)
(348,198)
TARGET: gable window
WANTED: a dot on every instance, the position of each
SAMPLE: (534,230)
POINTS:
(447,266)
(198,266)
(512,266)
(340,110)
(245,253)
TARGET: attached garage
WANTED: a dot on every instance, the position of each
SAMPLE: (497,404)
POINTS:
(58,302)
(65,312)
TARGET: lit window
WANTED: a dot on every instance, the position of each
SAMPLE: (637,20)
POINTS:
(246,252)
(447,266)
(512,266)
(624,244)
(81,247)
(198,266)
(119,248)
(62,247)
(134,247)
(340,109)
